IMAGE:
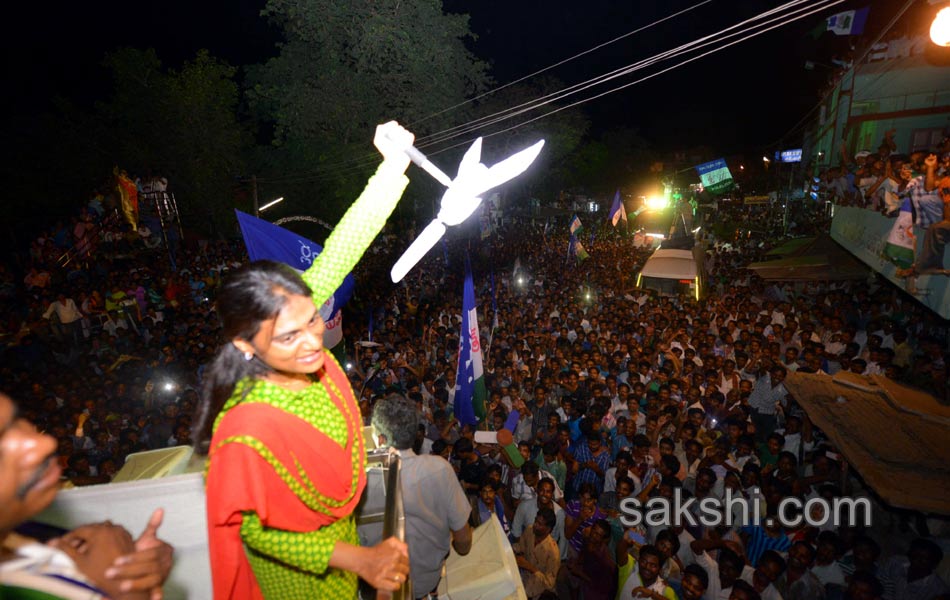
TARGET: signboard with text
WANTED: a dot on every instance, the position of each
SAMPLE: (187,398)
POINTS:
(789,156)
(715,176)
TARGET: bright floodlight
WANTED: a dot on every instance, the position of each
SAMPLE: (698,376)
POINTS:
(656,202)
(940,28)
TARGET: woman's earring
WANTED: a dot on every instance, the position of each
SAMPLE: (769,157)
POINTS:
(248,356)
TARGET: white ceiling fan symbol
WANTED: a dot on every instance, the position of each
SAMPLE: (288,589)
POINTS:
(462,196)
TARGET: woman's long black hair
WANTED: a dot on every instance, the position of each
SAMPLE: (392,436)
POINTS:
(246,298)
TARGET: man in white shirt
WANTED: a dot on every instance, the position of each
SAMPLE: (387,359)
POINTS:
(722,573)
(771,566)
(70,318)
(621,469)
(528,510)
(435,505)
(797,441)
(913,576)
(524,485)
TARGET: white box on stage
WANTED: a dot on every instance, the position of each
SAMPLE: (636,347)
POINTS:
(153,464)
(131,503)
(488,572)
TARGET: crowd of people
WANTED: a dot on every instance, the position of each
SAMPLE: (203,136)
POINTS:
(618,394)
(916,185)
(622,394)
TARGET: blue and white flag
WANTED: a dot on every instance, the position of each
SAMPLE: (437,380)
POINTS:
(576,249)
(715,176)
(849,22)
(900,245)
(575,225)
(470,391)
(266,241)
(617,210)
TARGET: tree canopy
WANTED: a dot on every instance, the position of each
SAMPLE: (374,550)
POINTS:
(179,123)
(343,68)
(303,120)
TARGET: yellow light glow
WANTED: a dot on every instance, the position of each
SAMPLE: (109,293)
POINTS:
(656,202)
(940,28)
(697,288)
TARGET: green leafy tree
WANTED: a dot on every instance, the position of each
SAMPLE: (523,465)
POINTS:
(180,123)
(344,67)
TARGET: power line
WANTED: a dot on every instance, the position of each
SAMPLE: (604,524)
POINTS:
(683,49)
(853,66)
(555,65)
(562,62)
(780,20)
(670,68)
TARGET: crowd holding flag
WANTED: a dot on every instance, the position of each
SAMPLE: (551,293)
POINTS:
(266,241)
(579,251)
(575,225)
(128,196)
(576,249)
(470,391)
(899,248)
(617,210)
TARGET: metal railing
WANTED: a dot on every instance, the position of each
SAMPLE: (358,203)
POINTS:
(90,241)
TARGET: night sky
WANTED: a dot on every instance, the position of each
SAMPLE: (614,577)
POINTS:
(739,100)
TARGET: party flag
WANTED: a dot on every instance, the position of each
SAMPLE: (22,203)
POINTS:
(470,392)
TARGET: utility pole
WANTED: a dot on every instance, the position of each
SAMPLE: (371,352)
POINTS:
(257,211)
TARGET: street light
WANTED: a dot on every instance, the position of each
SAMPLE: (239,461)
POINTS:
(269,204)
(940,28)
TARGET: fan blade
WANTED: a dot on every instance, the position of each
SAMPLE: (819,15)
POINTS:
(471,159)
(429,237)
(511,167)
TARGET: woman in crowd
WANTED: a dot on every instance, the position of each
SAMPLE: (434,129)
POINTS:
(286,458)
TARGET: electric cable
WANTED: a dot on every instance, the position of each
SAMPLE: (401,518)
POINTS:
(788,17)
(562,62)
(538,72)
(553,97)
(801,122)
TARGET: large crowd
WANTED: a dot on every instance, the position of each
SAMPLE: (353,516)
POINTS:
(620,393)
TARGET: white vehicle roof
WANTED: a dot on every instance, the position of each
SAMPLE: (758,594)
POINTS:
(668,263)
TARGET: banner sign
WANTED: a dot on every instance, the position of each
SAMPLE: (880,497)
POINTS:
(790,156)
(865,234)
(715,176)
